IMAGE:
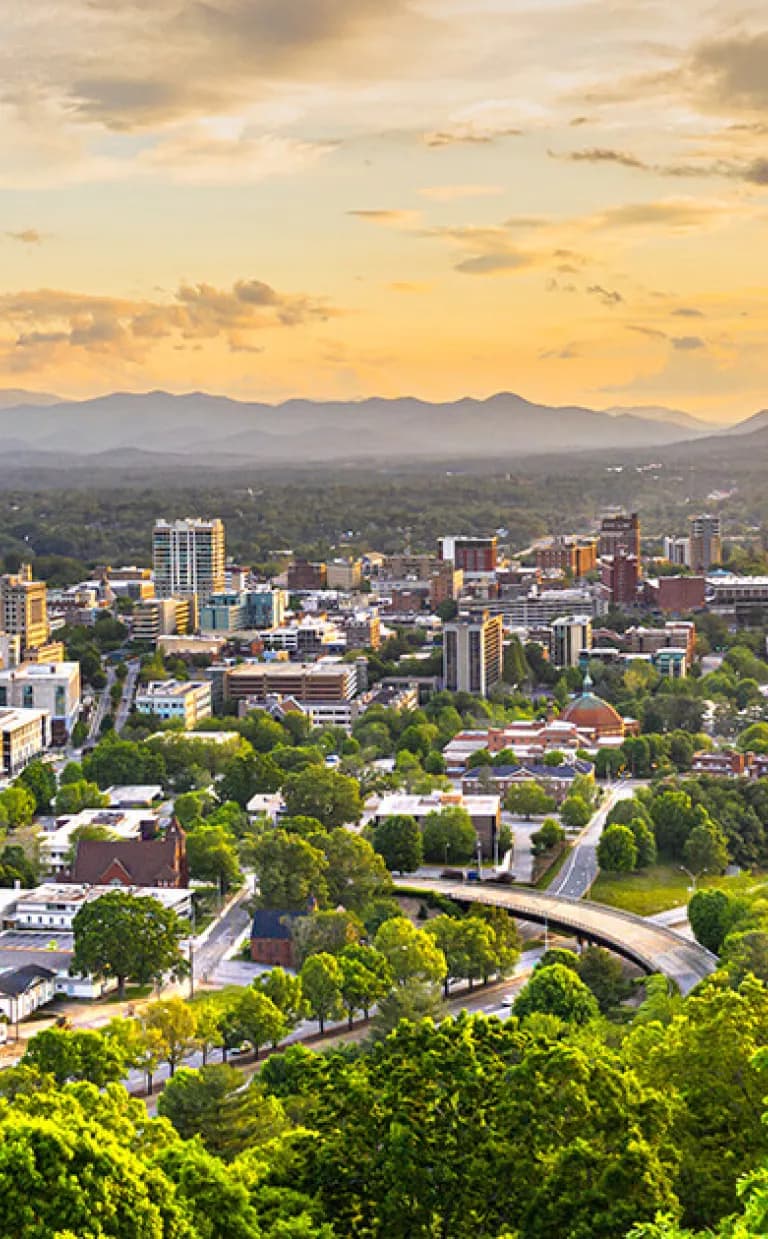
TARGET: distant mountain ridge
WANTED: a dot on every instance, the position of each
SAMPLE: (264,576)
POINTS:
(216,429)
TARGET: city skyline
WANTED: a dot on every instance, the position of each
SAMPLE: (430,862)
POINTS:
(564,199)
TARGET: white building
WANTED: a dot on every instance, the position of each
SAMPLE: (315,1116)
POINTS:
(185,700)
(571,635)
(188,558)
(24,735)
(54,905)
(53,687)
(484,811)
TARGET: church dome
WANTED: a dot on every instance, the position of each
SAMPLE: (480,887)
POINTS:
(591,713)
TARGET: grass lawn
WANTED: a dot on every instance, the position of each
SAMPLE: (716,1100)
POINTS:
(661,887)
(547,878)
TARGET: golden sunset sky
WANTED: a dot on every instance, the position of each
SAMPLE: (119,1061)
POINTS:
(340,198)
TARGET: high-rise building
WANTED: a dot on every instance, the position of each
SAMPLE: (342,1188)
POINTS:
(472,653)
(574,556)
(706,542)
(474,556)
(678,551)
(24,608)
(571,636)
(619,579)
(619,531)
(188,558)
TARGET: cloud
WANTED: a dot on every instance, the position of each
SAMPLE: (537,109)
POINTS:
(409,287)
(201,155)
(729,73)
(686,344)
(388,218)
(469,134)
(491,264)
(608,296)
(568,353)
(601,154)
(41,320)
(672,213)
(687,311)
(27,236)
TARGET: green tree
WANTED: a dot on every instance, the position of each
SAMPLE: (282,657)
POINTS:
(412,955)
(257,1019)
(213,1104)
(746,951)
(18,805)
(289,871)
(325,933)
(528,800)
(74,797)
(448,835)
(557,991)
(333,798)
(706,849)
(39,779)
(575,812)
(128,938)
(356,874)
(212,857)
(321,982)
(173,1020)
(548,836)
(645,842)
(246,775)
(365,979)
(602,973)
(78,1054)
(712,915)
(115,762)
(617,850)
(398,840)
(468,945)
(284,990)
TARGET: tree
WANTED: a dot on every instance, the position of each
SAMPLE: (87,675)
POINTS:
(706,849)
(212,856)
(617,850)
(325,933)
(321,982)
(365,979)
(557,991)
(575,812)
(125,937)
(333,798)
(744,952)
(257,1019)
(284,990)
(645,842)
(712,915)
(528,800)
(246,775)
(548,836)
(413,1001)
(448,835)
(412,955)
(398,840)
(602,973)
(608,763)
(18,805)
(39,779)
(116,762)
(289,871)
(208,1017)
(213,1103)
(174,1020)
(674,817)
(468,945)
(79,1054)
(356,874)
(74,797)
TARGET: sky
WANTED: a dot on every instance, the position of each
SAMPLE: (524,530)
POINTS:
(341,198)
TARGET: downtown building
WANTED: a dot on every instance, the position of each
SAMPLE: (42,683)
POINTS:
(188,558)
(472,653)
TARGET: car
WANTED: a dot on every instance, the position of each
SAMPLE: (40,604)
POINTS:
(508,1000)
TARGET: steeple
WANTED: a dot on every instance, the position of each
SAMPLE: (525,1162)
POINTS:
(588,684)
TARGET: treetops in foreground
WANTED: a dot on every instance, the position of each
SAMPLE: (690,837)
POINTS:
(554,1125)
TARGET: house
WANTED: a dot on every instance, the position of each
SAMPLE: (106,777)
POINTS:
(484,811)
(556,780)
(146,861)
(23,990)
(272,937)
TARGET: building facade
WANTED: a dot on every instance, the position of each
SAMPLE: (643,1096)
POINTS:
(52,687)
(189,701)
(474,556)
(705,542)
(188,558)
(619,531)
(24,608)
(472,654)
(571,636)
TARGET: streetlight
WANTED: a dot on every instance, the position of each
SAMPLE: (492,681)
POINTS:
(692,876)
(191,947)
(479,857)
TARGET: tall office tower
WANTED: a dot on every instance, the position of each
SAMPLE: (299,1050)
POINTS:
(619,532)
(619,579)
(571,635)
(24,608)
(474,556)
(472,653)
(188,558)
(678,551)
(706,542)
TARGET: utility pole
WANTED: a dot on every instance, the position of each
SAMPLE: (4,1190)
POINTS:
(192,948)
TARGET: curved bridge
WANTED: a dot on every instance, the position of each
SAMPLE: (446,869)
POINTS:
(653,947)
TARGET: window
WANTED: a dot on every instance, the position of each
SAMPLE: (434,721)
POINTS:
(28,697)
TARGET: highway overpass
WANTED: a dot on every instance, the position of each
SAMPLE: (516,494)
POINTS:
(653,947)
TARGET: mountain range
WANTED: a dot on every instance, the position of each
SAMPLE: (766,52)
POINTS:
(200,427)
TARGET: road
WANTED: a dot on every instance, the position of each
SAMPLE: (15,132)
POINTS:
(102,707)
(224,934)
(580,870)
(129,689)
(654,947)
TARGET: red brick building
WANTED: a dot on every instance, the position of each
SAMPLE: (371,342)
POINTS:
(272,937)
(147,861)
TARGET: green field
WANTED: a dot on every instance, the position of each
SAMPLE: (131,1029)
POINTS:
(661,887)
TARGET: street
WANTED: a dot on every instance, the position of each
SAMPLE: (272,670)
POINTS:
(580,870)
